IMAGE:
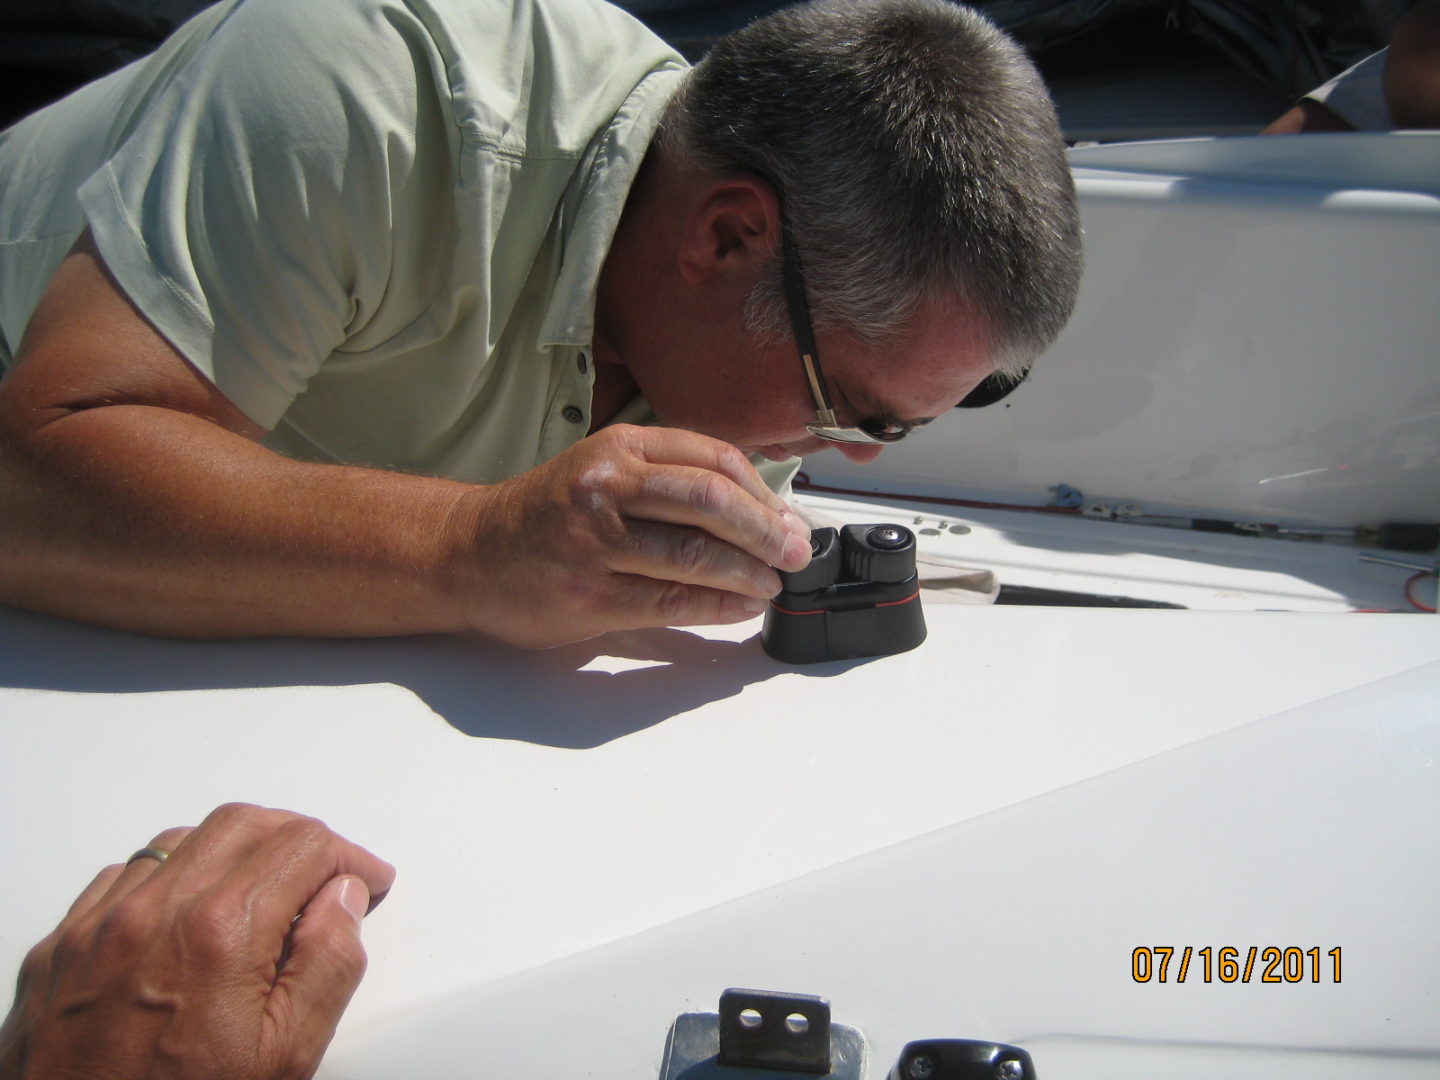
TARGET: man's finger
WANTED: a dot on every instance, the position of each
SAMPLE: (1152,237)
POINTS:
(139,868)
(707,607)
(633,602)
(239,845)
(298,858)
(99,886)
(674,446)
(692,556)
(325,963)
(681,495)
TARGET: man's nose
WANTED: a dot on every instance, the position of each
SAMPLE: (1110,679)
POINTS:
(860,453)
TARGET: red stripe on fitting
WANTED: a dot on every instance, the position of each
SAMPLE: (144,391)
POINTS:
(821,611)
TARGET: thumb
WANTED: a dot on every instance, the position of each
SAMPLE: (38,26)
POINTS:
(325,965)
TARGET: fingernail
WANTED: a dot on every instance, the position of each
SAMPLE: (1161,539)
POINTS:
(797,549)
(753,605)
(354,897)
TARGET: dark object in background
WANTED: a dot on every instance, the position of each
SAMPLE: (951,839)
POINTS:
(50,47)
(1139,69)
(1292,45)
(690,26)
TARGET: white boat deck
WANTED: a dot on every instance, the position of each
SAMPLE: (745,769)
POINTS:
(603,836)
(1084,560)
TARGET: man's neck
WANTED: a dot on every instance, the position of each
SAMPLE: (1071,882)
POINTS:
(637,269)
(613,387)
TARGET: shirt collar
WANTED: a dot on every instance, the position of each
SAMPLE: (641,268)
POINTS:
(590,211)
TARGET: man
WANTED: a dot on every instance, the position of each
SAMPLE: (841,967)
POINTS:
(337,318)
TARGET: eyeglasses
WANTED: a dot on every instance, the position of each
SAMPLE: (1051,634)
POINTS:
(989,391)
(825,427)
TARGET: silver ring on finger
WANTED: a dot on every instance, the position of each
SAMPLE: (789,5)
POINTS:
(159,854)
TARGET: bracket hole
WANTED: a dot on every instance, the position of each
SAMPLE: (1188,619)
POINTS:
(797,1023)
(750,1019)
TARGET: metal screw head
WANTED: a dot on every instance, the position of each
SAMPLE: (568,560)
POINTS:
(886,536)
(921,1067)
(1010,1069)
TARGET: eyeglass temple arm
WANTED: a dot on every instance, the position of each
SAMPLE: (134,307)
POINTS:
(823,408)
(794,284)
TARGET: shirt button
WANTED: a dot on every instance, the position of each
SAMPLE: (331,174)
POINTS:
(571,413)
(582,363)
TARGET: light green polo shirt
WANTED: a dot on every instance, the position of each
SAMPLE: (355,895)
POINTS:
(376,225)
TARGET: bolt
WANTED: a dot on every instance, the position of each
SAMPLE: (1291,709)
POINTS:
(886,537)
(1010,1069)
(921,1067)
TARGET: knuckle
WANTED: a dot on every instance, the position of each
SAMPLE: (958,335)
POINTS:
(692,555)
(215,927)
(592,490)
(35,967)
(709,492)
(626,437)
(581,590)
(125,928)
(674,602)
(304,834)
(729,459)
(169,839)
(345,951)
(237,815)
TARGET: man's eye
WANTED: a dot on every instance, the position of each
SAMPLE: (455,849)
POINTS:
(880,429)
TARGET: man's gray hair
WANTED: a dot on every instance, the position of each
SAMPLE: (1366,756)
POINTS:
(917,156)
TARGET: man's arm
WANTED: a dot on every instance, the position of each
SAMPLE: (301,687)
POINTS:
(1306,117)
(136,495)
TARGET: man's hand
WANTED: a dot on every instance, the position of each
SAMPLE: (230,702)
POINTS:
(633,527)
(231,960)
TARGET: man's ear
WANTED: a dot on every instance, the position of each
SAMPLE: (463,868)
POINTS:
(733,227)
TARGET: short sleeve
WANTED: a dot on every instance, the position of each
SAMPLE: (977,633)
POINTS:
(1357,94)
(250,209)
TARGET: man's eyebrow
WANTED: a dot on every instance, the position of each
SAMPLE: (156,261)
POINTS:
(892,418)
(866,408)
(906,426)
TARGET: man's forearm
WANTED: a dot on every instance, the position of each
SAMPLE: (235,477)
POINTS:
(158,521)
(152,520)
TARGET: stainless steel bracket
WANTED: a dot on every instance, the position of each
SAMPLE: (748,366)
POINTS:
(763,1035)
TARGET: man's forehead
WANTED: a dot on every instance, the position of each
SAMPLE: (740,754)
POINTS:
(941,356)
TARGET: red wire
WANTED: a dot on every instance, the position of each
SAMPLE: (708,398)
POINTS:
(1408,596)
